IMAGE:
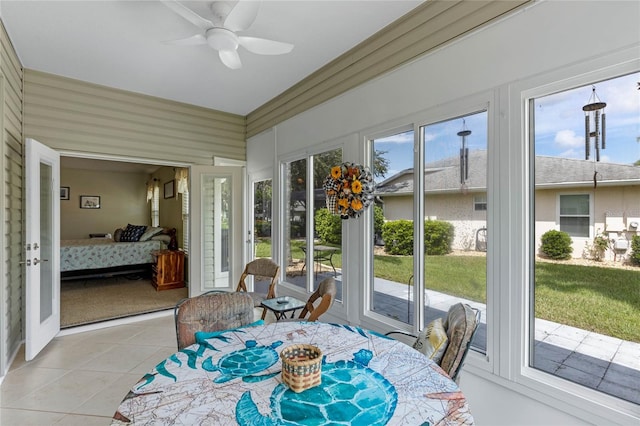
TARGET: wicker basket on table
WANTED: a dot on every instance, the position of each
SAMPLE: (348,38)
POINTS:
(301,366)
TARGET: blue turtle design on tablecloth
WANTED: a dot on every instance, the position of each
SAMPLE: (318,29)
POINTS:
(351,394)
(245,362)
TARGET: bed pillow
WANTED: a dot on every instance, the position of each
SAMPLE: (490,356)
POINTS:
(151,231)
(117,234)
(162,237)
(432,341)
(132,233)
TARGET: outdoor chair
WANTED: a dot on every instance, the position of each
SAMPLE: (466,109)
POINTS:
(213,311)
(326,292)
(260,268)
(460,326)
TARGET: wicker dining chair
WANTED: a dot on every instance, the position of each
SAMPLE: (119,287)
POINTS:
(260,268)
(326,293)
(213,311)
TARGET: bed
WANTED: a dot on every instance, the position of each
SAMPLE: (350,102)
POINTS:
(98,256)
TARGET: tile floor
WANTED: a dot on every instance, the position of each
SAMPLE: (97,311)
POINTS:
(79,379)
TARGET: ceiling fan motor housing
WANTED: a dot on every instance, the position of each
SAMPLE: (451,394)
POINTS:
(222,39)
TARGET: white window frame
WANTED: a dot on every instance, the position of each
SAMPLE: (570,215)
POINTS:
(480,203)
(185,221)
(155,205)
(519,247)
(589,214)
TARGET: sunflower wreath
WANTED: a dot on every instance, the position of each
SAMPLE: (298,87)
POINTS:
(349,190)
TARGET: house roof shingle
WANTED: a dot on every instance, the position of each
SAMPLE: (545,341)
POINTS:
(551,172)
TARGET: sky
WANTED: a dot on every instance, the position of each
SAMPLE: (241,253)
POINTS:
(559,128)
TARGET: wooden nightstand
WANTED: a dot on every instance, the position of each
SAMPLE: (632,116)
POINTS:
(168,270)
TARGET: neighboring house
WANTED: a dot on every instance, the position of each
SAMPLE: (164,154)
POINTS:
(565,199)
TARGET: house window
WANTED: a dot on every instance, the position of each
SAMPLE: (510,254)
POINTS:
(480,203)
(574,215)
(580,312)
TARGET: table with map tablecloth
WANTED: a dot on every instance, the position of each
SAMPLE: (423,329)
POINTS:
(234,377)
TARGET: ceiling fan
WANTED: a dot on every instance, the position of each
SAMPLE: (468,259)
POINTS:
(220,31)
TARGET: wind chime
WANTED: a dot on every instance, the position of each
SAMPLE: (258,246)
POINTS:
(594,111)
(464,157)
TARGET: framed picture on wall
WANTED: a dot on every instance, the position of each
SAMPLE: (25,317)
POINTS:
(169,188)
(64,193)
(89,202)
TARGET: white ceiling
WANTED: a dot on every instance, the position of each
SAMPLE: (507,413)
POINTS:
(120,44)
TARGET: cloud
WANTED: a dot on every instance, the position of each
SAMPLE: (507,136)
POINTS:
(406,137)
(568,139)
(572,153)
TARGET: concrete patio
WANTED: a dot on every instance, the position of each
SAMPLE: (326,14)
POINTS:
(593,360)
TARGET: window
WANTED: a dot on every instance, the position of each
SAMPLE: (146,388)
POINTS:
(185,220)
(393,262)
(182,188)
(313,248)
(584,314)
(262,199)
(574,215)
(155,205)
(480,203)
(455,265)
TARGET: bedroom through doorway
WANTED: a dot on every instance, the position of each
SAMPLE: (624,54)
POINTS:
(97,198)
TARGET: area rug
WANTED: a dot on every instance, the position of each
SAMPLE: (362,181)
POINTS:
(89,301)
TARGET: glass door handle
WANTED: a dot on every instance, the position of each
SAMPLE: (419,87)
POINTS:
(36,260)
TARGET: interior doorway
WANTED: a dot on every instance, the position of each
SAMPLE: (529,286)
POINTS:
(117,190)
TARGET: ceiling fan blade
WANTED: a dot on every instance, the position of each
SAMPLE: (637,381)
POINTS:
(189,41)
(230,58)
(262,46)
(188,14)
(242,15)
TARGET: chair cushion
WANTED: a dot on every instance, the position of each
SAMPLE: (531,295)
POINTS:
(460,324)
(433,340)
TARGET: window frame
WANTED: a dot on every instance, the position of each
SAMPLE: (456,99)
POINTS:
(589,214)
(482,203)
(483,101)
(516,310)
(279,222)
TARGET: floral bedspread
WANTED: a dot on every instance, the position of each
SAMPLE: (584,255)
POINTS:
(98,253)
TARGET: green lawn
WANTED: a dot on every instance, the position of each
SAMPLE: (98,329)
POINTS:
(603,300)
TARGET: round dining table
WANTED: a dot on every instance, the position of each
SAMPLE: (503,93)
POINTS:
(234,377)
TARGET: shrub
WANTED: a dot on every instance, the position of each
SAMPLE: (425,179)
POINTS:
(556,245)
(263,228)
(635,250)
(438,237)
(378,220)
(328,227)
(398,237)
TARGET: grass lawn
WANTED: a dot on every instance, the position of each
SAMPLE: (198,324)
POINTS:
(602,300)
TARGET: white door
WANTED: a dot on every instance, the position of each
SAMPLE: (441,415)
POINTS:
(42,246)
(216,195)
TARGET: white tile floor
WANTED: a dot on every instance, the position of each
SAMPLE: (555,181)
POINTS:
(80,379)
